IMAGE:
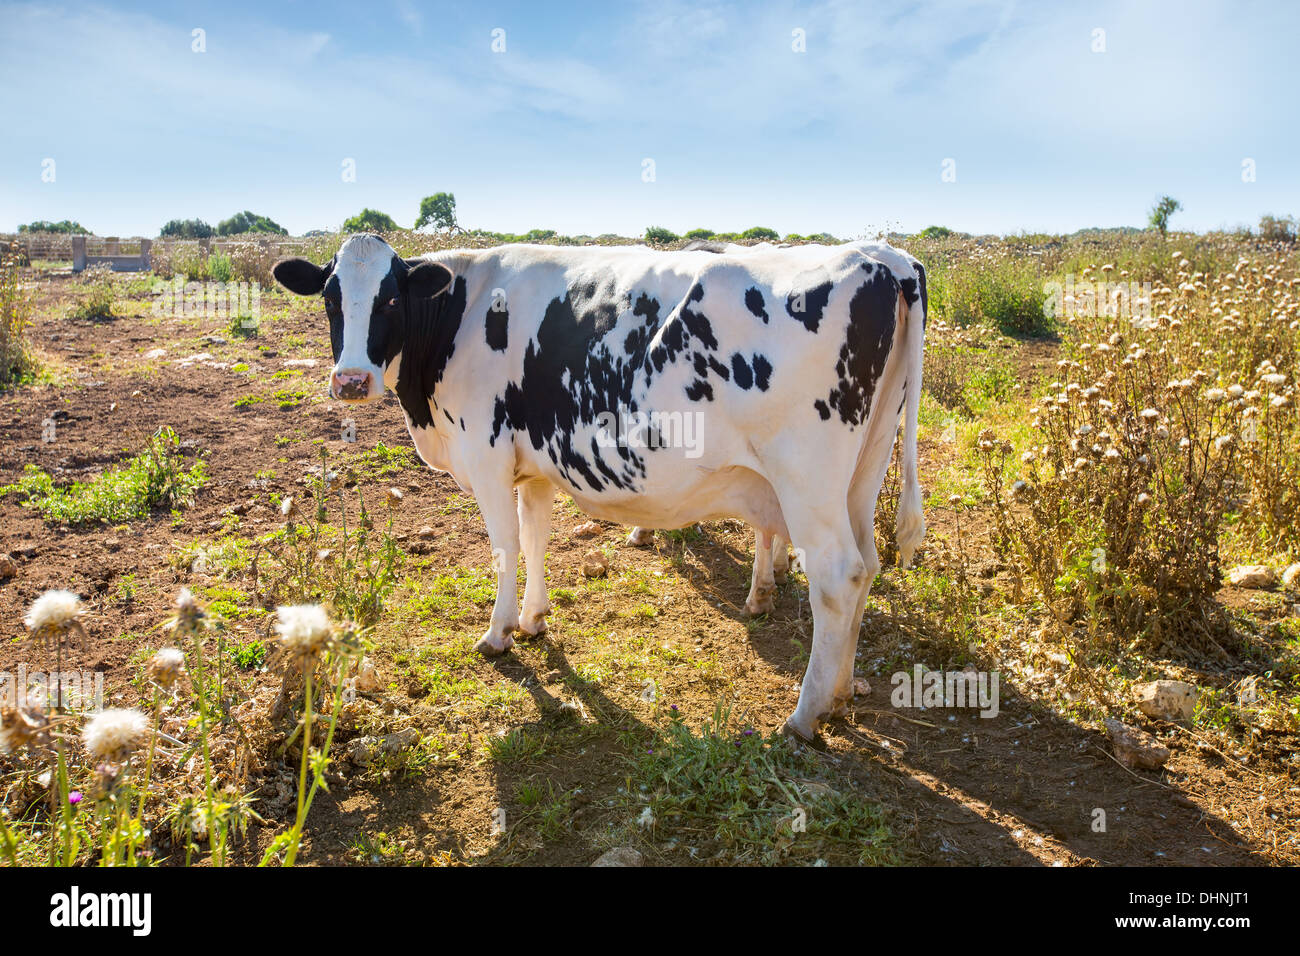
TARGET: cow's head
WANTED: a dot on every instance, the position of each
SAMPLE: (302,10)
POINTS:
(369,291)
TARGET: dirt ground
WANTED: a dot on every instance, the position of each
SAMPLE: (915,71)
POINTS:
(1021,789)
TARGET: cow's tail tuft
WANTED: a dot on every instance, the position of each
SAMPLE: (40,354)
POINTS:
(910,526)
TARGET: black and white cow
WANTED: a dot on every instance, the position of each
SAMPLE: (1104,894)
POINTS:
(587,369)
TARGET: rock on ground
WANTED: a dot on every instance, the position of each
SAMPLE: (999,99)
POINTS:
(595,564)
(1252,576)
(1167,699)
(1136,749)
(620,856)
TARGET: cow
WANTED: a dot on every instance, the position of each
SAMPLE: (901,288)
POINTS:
(772,555)
(521,369)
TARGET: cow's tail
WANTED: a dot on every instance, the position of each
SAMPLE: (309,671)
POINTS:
(910,526)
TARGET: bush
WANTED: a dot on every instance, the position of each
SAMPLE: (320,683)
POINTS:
(1278,228)
(700,234)
(98,304)
(660,235)
(993,287)
(15,312)
(242,222)
(63,226)
(760,232)
(370,220)
(1158,429)
(187,229)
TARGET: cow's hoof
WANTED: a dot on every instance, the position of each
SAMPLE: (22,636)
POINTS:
(494,645)
(840,708)
(640,537)
(803,735)
(759,603)
(533,623)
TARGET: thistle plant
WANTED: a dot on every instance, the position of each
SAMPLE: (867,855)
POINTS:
(322,653)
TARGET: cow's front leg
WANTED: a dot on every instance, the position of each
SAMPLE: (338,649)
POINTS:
(496,501)
(535,501)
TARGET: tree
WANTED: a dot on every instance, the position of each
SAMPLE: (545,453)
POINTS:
(187,229)
(934,232)
(700,234)
(1165,207)
(370,220)
(760,232)
(246,221)
(65,225)
(660,235)
(438,210)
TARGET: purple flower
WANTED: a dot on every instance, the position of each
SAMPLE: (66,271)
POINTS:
(74,797)
(749,733)
(674,707)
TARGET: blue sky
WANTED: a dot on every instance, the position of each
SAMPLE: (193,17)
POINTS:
(849,136)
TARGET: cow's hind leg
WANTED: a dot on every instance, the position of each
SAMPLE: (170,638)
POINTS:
(837,576)
(762,584)
(641,537)
(535,501)
(780,559)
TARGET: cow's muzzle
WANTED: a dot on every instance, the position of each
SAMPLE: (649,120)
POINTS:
(352,385)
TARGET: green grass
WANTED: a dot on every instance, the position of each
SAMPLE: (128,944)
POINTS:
(754,799)
(154,478)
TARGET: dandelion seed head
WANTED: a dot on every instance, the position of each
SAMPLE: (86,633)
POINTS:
(53,610)
(113,735)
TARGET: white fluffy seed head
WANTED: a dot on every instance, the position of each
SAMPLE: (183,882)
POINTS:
(304,629)
(53,610)
(114,735)
(166,667)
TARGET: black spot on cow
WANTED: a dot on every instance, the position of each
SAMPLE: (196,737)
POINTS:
(572,377)
(807,301)
(699,390)
(822,409)
(744,375)
(424,333)
(754,302)
(696,322)
(762,372)
(497,328)
(868,340)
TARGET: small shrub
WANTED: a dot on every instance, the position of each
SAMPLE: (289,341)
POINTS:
(660,235)
(16,362)
(154,478)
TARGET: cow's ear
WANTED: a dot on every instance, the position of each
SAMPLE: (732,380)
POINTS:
(300,276)
(427,279)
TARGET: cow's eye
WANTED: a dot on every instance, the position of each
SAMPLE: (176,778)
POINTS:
(390,306)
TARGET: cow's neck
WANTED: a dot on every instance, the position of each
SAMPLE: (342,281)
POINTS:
(422,349)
